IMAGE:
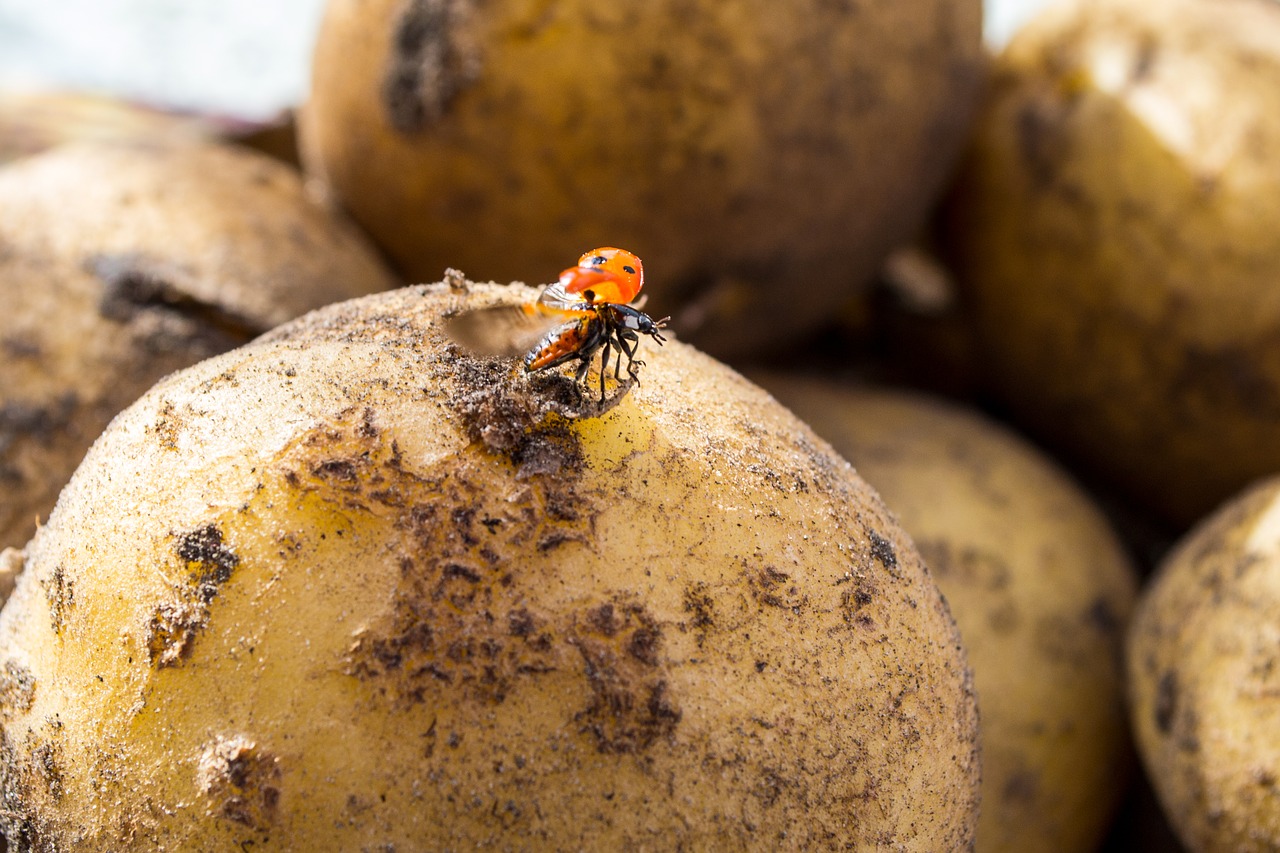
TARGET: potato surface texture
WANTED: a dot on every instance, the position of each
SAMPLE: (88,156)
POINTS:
(1038,584)
(121,263)
(348,587)
(1115,228)
(1204,663)
(769,153)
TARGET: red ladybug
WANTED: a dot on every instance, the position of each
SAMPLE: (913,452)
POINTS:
(582,313)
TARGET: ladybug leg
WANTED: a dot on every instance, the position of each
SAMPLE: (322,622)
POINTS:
(584,362)
(604,367)
(617,362)
(628,342)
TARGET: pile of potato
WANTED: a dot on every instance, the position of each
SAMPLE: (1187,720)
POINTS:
(337,581)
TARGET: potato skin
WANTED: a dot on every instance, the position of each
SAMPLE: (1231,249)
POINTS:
(1114,229)
(121,263)
(762,157)
(1038,584)
(1204,676)
(360,589)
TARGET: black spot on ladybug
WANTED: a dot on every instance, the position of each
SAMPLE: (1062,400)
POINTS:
(629,270)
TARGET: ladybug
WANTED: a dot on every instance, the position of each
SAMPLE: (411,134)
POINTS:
(584,312)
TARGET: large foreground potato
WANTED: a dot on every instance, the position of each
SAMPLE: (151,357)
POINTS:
(121,263)
(1204,661)
(768,153)
(1039,586)
(1116,230)
(348,588)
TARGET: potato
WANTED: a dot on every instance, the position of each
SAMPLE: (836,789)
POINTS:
(1036,581)
(763,156)
(1204,673)
(348,588)
(32,121)
(121,263)
(1115,230)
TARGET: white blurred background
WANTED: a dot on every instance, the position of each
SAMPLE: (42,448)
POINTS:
(243,58)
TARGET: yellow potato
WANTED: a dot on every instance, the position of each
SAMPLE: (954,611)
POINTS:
(762,156)
(1204,678)
(350,588)
(1040,589)
(1115,229)
(121,263)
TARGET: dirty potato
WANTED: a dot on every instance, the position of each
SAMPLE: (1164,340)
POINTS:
(769,153)
(1115,228)
(349,588)
(1037,583)
(1204,674)
(121,263)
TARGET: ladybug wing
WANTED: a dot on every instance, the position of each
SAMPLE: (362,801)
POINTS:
(505,330)
(558,300)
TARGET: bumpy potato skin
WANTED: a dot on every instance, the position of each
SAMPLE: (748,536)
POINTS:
(347,588)
(122,263)
(1114,228)
(761,156)
(1040,589)
(1204,673)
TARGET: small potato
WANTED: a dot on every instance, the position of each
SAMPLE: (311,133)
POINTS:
(765,155)
(1116,231)
(1037,583)
(349,588)
(121,263)
(1204,678)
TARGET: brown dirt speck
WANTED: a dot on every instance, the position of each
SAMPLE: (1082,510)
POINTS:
(172,629)
(1042,139)
(209,561)
(19,828)
(852,602)
(17,688)
(773,587)
(700,606)
(529,423)
(240,782)
(630,707)
(1166,705)
(60,592)
(431,62)
(153,297)
(456,615)
(40,422)
(47,761)
(1021,787)
(175,622)
(1102,616)
(882,550)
